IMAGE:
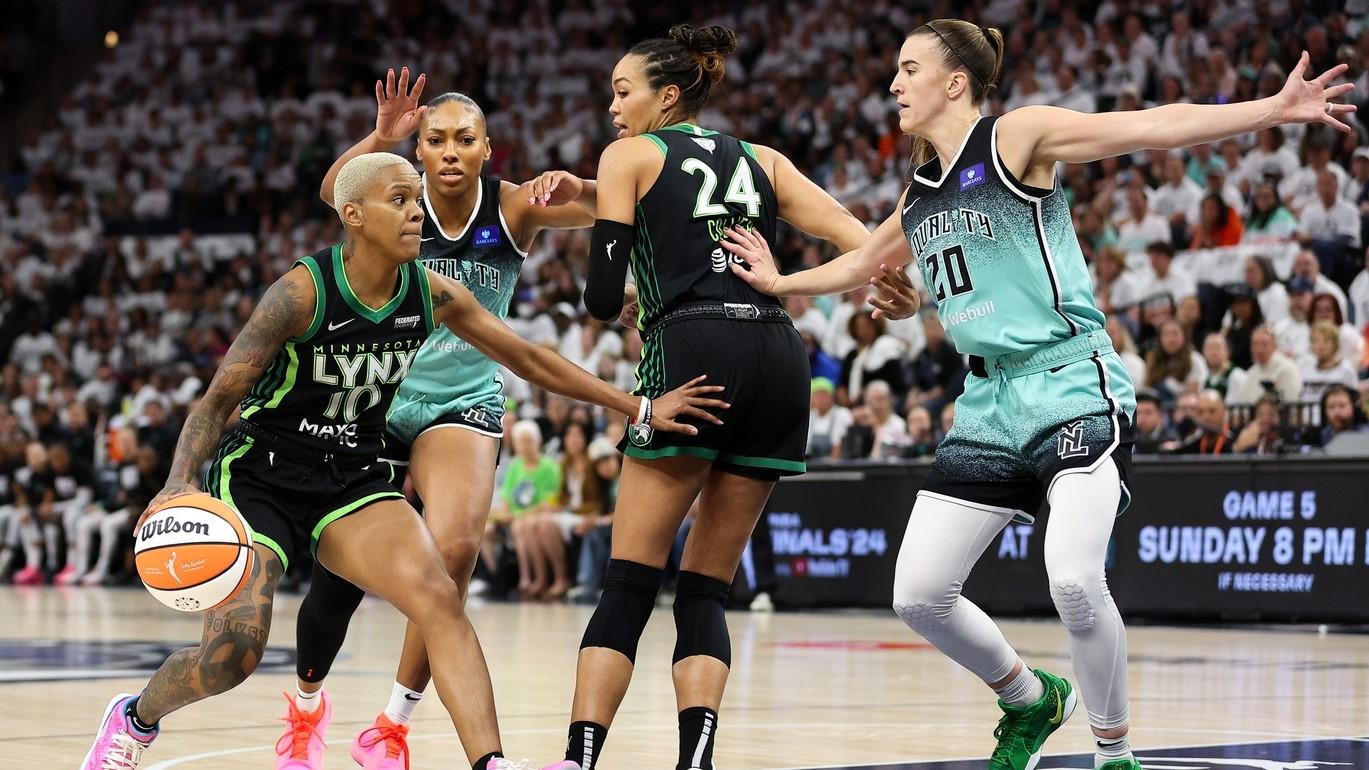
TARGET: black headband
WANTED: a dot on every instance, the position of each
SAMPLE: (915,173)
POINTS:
(951,48)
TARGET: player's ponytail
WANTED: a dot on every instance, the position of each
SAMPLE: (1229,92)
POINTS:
(689,58)
(976,51)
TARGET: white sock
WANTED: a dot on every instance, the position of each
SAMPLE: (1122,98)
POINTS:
(308,702)
(1024,689)
(1110,749)
(403,701)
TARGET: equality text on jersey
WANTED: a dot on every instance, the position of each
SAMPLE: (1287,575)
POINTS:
(959,221)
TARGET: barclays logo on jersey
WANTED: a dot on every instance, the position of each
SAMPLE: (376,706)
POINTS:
(972,176)
(487,236)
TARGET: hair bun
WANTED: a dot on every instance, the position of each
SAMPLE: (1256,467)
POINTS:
(710,44)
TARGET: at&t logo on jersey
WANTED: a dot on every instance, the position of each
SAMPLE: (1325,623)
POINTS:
(972,176)
(487,236)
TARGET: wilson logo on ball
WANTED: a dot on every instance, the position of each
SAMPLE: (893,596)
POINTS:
(170,526)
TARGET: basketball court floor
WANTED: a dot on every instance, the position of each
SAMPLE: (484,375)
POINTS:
(817,690)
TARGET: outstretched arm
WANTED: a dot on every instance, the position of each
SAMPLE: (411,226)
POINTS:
(397,117)
(1040,135)
(553,200)
(457,308)
(885,247)
(286,310)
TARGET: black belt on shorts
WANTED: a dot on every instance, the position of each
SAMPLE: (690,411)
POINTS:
(733,311)
(301,453)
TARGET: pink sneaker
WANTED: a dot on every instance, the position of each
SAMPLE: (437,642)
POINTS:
(119,745)
(301,747)
(382,746)
(66,577)
(564,764)
(29,576)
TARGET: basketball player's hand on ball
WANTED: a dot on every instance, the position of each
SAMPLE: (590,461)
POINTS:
(628,315)
(555,188)
(397,110)
(688,400)
(168,492)
(759,271)
(898,298)
(1309,101)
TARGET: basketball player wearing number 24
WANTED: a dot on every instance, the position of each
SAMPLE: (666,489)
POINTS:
(1048,414)
(315,370)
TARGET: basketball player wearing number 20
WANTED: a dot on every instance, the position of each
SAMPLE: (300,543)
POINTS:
(1046,415)
(314,371)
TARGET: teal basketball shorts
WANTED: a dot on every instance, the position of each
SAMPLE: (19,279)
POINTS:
(409,419)
(1024,421)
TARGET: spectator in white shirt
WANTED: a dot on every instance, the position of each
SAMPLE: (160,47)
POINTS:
(1259,275)
(891,432)
(827,422)
(1141,226)
(1178,195)
(1269,366)
(1183,46)
(1325,367)
(1169,278)
(1125,347)
(1306,266)
(1300,188)
(1328,222)
(1359,296)
(1114,289)
(1071,94)
(1325,309)
(1174,367)
(1292,332)
(1270,158)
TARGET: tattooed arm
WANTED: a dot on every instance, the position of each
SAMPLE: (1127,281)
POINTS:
(286,310)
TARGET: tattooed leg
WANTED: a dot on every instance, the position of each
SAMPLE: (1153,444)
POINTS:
(232,646)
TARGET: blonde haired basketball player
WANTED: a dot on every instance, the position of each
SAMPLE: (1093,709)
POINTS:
(446,423)
(1047,413)
(314,371)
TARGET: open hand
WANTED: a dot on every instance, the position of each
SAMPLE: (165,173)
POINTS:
(397,110)
(1309,101)
(688,400)
(750,245)
(898,298)
(555,188)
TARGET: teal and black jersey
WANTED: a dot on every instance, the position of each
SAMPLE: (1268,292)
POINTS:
(999,258)
(449,373)
(328,389)
(710,181)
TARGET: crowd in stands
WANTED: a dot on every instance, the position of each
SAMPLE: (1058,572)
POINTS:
(179,179)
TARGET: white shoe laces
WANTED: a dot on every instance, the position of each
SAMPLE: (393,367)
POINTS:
(503,763)
(125,754)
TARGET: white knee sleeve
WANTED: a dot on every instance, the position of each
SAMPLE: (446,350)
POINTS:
(1083,507)
(945,537)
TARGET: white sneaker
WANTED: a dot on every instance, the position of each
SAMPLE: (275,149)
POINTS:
(762,603)
(478,587)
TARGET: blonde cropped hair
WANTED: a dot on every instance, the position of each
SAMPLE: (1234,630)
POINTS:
(356,175)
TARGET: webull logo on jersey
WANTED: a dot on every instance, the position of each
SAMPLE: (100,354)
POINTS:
(950,222)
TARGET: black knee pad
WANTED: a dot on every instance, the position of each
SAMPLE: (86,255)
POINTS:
(624,608)
(700,623)
(322,623)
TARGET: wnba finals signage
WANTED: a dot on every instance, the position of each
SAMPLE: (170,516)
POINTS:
(1283,539)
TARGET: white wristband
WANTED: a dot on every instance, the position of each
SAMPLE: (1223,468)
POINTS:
(643,410)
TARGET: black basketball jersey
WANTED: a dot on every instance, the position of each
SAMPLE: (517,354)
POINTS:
(330,388)
(710,181)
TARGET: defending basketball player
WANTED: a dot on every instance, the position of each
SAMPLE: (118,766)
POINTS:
(667,189)
(445,426)
(1047,413)
(314,371)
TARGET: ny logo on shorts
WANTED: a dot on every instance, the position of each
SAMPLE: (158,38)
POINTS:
(1072,441)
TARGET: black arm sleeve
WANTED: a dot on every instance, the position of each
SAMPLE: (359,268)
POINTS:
(609,246)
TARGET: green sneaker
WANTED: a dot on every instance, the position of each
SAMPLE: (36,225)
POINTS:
(1121,764)
(1023,730)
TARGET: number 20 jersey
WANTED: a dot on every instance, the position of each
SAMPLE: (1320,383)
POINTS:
(1000,259)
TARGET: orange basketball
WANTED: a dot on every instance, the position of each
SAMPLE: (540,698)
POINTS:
(194,553)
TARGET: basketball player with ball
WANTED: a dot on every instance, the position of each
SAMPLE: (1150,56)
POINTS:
(314,371)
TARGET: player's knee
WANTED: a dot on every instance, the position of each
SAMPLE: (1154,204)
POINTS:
(227,660)
(459,552)
(624,608)
(700,621)
(1078,597)
(924,603)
